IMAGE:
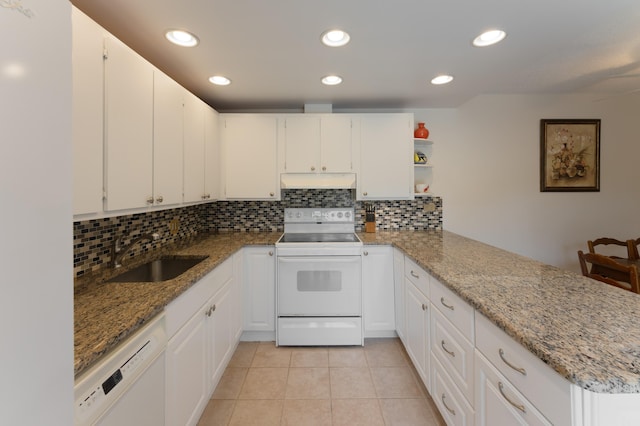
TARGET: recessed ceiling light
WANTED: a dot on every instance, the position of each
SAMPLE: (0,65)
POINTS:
(335,38)
(331,80)
(182,38)
(220,80)
(488,38)
(442,79)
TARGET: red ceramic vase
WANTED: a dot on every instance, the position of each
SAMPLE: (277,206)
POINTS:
(421,132)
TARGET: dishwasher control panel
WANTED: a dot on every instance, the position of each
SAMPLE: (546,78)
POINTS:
(101,386)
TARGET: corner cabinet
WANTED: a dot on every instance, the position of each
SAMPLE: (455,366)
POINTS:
(249,143)
(422,166)
(386,153)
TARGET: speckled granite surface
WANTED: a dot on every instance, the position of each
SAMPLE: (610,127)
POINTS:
(105,314)
(587,331)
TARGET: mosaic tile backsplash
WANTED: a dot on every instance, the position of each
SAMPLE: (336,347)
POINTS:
(92,239)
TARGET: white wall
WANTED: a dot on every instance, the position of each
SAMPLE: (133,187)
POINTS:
(487,157)
(36,307)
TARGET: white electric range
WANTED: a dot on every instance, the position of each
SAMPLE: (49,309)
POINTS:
(319,279)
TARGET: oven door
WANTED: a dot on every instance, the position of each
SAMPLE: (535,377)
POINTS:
(321,286)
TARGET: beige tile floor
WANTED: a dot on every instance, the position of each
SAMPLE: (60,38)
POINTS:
(371,385)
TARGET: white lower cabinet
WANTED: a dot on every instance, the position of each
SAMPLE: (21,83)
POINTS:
(453,406)
(498,402)
(378,291)
(417,331)
(202,339)
(258,292)
(399,291)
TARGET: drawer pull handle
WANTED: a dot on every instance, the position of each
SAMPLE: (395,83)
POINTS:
(453,412)
(366,253)
(413,274)
(424,307)
(518,406)
(518,369)
(270,253)
(445,305)
(452,353)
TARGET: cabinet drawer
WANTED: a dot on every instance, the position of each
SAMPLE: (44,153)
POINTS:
(547,390)
(182,308)
(452,405)
(499,402)
(417,275)
(456,310)
(454,352)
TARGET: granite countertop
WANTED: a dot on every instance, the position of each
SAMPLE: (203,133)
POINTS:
(105,314)
(585,330)
(588,331)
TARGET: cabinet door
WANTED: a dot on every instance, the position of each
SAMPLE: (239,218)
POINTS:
(87,132)
(398,283)
(167,140)
(498,402)
(386,151)
(219,332)
(249,143)
(186,370)
(417,331)
(194,147)
(129,127)
(302,144)
(211,155)
(336,147)
(378,290)
(259,289)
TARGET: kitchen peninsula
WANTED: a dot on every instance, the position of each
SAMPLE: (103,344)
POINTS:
(584,330)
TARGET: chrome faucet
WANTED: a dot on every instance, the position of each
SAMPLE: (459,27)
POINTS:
(118,251)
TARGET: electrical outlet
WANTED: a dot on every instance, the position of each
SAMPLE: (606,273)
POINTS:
(429,207)
(174,226)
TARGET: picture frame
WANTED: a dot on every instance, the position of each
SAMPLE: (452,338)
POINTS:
(569,155)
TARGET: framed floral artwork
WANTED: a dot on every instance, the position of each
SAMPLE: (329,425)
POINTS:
(569,155)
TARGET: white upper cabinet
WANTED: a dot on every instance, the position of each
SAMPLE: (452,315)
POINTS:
(128,127)
(194,147)
(386,157)
(318,143)
(250,165)
(88,101)
(167,140)
(211,155)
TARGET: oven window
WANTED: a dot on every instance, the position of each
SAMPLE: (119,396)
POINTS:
(319,281)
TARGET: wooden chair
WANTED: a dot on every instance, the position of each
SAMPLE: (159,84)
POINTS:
(607,270)
(633,249)
(607,242)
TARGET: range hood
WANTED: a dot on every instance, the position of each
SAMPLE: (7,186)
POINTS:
(317,180)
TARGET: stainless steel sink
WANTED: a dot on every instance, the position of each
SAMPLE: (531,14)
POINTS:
(162,269)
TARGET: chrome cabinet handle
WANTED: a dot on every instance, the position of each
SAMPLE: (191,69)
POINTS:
(453,354)
(271,194)
(324,169)
(150,200)
(447,407)
(159,199)
(424,307)
(313,169)
(445,305)
(270,253)
(518,369)
(413,274)
(208,312)
(213,308)
(365,194)
(366,253)
(518,406)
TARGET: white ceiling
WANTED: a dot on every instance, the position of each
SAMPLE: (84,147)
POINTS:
(271,49)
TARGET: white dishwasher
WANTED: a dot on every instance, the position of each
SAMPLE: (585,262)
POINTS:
(128,386)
